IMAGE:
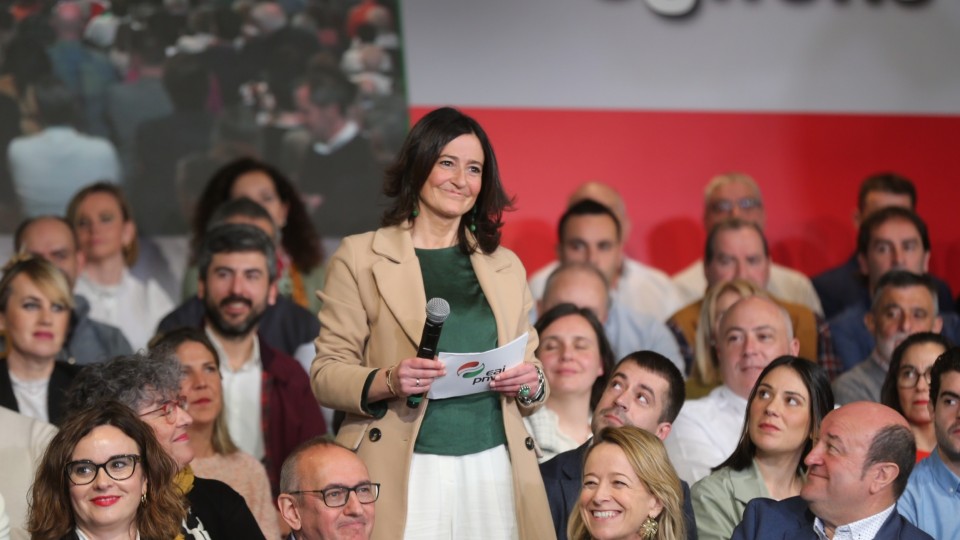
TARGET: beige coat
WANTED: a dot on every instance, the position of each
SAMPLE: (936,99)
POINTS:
(374,307)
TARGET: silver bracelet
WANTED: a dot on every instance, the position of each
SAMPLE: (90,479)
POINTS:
(541,391)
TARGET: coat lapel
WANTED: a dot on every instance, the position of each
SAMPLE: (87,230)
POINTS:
(399,280)
(502,299)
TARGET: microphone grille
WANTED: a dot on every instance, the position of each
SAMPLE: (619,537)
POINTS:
(438,310)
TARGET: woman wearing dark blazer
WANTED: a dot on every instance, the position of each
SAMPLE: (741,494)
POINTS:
(440,239)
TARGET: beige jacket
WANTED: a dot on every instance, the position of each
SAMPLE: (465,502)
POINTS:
(374,306)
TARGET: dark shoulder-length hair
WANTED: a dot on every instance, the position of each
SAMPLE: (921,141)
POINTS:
(890,394)
(821,402)
(607,359)
(298,235)
(416,159)
(51,514)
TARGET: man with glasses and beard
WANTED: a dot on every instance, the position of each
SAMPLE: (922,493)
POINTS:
(269,405)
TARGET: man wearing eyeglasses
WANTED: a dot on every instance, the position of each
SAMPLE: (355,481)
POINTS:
(736,195)
(904,304)
(326,493)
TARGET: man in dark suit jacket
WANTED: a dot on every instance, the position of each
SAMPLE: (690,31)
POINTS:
(856,472)
(646,390)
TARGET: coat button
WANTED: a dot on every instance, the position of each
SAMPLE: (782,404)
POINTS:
(529,443)
(375,434)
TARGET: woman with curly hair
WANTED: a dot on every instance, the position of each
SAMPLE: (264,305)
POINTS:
(299,253)
(104,475)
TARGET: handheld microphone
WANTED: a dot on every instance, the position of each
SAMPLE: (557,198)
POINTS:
(437,312)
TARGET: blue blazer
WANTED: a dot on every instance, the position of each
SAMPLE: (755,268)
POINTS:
(562,477)
(791,519)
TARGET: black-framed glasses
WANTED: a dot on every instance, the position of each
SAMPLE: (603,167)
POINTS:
(168,408)
(724,206)
(909,377)
(337,496)
(85,471)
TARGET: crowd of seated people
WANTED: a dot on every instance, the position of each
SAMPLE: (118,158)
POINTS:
(698,405)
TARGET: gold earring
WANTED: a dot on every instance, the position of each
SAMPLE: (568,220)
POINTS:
(143,499)
(649,528)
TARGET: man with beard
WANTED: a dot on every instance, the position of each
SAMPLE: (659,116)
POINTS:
(270,407)
(930,501)
(904,304)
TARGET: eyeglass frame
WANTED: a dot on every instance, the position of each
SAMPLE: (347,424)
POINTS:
(97,466)
(745,204)
(174,404)
(926,374)
(323,493)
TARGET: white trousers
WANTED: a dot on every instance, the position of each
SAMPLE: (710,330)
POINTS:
(461,497)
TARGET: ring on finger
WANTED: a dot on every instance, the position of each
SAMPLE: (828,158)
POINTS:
(524,391)
(418,381)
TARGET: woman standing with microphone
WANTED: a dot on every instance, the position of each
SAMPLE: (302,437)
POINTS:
(454,468)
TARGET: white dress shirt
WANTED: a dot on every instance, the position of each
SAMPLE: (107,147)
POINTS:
(705,433)
(241,398)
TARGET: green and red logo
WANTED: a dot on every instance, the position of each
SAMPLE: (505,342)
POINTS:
(470,370)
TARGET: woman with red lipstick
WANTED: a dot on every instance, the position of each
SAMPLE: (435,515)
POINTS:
(215,454)
(630,490)
(784,411)
(107,236)
(577,359)
(35,306)
(105,476)
(907,386)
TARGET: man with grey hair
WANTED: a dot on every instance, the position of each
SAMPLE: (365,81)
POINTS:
(326,493)
(269,405)
(736,194)
(150,385)
(752,333)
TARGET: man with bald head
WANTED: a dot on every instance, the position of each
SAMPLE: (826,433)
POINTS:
(88,341)
(600,240)
(856,471)
(752,333)
(736,195)
(326,493)
(584,286)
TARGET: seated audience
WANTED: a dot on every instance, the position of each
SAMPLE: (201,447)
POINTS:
(847,285)
(583,285)
(930,500)
(215,454)
(907,386)
(108,238)
(326,493)
(270,407)
(705,371)
(736,248)
(48,167)
(736,195)
(627,473)
(752,333)
(35,304)
(21,447)
(53,238)
(856,471)
(299,254)
(150,386)
(890,239)
(576,362)
(588,237)
(903,304)
(119,481)
(646,391)
(784,413)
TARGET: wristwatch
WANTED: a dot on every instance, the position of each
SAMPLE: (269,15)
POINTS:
(541,391)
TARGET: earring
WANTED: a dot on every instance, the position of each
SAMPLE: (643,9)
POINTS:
(143,499)
(649,528)
(473,220)
(416,211)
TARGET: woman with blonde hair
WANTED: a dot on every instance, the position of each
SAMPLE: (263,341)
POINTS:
(104,475)
(705,373)
(627,472)
(35,306)
(107,236)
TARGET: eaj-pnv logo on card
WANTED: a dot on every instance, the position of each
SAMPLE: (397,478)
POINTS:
(475,370)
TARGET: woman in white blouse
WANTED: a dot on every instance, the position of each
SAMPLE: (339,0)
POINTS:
(107,237)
